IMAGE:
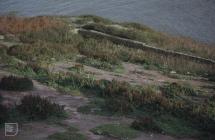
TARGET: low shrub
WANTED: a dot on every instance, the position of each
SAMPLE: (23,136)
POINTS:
(14,25)
(96,106)
(119,105)
(54,35)
(146,124)
(117,88)
(103,51)
(38,108)
(16,83)
(175,89)
(43,52)
(75,81)
(121,97)
(32,70)
(118,131)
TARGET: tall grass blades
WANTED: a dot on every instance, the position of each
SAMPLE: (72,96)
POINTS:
(14,25)
(37,108)
(16,84)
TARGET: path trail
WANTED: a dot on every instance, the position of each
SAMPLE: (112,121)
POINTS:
(40,130)
(136,74)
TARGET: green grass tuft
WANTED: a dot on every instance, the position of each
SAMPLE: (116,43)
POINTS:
(38,108)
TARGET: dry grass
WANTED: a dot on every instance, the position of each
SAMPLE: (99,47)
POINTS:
(147,35)
(114,54)
(13,24)
(43,51)
(168,100)
(181,44)
(185,45)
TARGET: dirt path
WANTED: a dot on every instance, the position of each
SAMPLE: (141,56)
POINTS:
(136,74)
(40,130)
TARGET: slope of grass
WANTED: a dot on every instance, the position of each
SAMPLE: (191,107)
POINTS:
(42,51)
(147,35)
(14,24)
(60,34)
(46,42)
(114,54)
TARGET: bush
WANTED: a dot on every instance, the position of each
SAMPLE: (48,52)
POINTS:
(37,108)
(101,50)
(54,35)
(13,83)
(119,105)
(14,25)
(119,131)
(43,51)
(145,124)
(75,81)
(174,89)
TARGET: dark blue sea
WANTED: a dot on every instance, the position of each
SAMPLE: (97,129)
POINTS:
(192,18)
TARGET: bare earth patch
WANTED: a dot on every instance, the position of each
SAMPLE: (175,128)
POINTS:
(40,130)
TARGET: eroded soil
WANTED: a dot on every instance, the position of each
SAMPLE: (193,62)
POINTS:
(41,130)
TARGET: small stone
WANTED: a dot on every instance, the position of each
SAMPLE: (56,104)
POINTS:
(173,72)
(34,59)
(98,132)
(53,59)
(1,37)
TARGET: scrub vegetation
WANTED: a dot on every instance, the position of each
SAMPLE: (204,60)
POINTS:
(173,108)
(147,35)
(116,131)
(16,84)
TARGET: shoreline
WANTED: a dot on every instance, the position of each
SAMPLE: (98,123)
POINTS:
(192,18)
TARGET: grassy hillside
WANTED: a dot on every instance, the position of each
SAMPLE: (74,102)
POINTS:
(161,94)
